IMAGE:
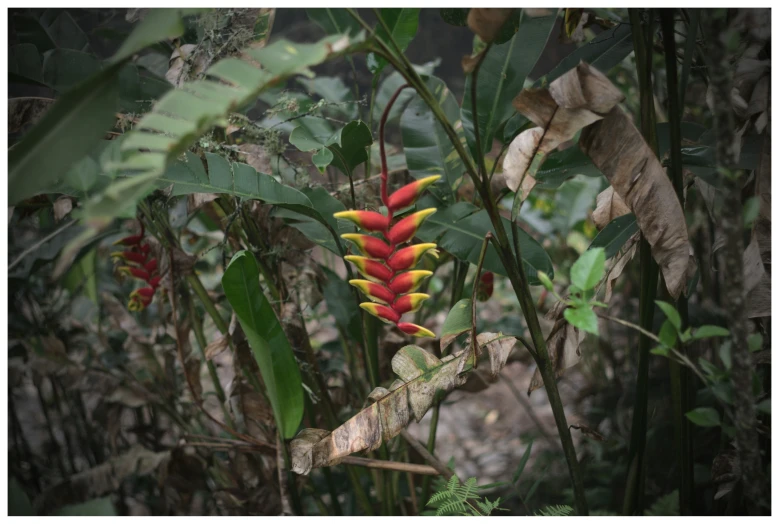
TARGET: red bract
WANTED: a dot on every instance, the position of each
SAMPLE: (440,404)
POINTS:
(389,286)
(146,270)
(485,286)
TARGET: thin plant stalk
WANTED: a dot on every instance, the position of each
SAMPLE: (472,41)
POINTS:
(680,376)
(634,496)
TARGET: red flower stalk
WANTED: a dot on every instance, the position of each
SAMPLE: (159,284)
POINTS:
(143,268)
(388,267)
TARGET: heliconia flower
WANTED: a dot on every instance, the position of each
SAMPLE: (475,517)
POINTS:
(135,271)
(414,330)
(374,291)
(140,299)
(129,256)
(151,265)
(408,303)
(371,269)
(132,240)
(154,281)
(485,286)
(406,228)
(366,220)
(383,313)
(145,248)
(369,246)
(408,281)
(408,194)
(409,256)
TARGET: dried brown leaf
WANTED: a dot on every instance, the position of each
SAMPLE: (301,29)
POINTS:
(589,432)
(182,67)
(608,206)
(26,112)
(617,148)
(575,100)
(617,265)
(423,378)
(487,22)
(105,478)
(217,347)
(62,206)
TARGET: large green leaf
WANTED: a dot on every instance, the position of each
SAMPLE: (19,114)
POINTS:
(65,68)
(502,76)
(272,351)
(460,229)
(75,123)
(402,24)
(347,145)
(334,21)
(427,148)
(313,209)
(615,234)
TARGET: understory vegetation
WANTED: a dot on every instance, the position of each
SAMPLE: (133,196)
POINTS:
(266,261)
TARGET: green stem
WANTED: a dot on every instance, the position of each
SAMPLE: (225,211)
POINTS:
(680,376)
(634,495)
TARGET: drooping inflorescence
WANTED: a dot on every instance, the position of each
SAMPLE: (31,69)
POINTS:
(140,265)
(388,264)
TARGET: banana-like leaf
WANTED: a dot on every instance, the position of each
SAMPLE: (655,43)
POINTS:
(501,76)
(77,121)
(402,24)
(460,230)
(423,378)
(270,346)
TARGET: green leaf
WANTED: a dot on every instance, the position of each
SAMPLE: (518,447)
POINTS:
(573,202)
(29,30)
(314,228)
(426,145)
(588,270)
(75,123)
(322,159)
(603,52)
(749,212)
(402,24)
(671,314)
(460,230)
(458,321)
(67,132)
(158,24)
(725,354)
(755,342)
(522,463)
(764,406)
(67,34)
(704,417)
(102,507)
(661,351)
(25,60)
(710,331)
(334,21)
(615,234)
(582,318)
(347,146)
(502,76)
(65,68)
(341,304)
(18,502)
(668,334)
(280,371)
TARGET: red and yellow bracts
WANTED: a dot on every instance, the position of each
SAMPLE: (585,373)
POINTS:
(388,265)
(139,265)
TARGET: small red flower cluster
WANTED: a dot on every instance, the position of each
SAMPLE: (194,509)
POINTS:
(141,266)
(388,269)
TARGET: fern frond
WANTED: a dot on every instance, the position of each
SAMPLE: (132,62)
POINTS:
(555,511)
(454,506)
(665,506)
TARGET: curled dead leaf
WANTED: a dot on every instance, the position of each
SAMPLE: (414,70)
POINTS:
(487,22)
(588,432)
(62,206)
(577,99)
(608,206)
(617,148)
